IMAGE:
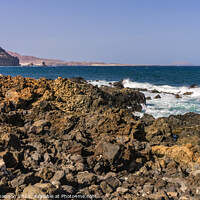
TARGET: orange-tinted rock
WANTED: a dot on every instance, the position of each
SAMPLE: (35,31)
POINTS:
(186,154)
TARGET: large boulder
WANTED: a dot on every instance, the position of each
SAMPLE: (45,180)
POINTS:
(39,191)
(185,155)
(126,97)
(159,131)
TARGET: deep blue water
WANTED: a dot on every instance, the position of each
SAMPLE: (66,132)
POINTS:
(158,75)
(173,79)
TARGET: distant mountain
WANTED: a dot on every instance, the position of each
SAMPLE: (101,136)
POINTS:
(7,59)
(32,60)
(35,61)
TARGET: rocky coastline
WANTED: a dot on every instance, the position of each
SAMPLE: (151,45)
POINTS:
(68,139)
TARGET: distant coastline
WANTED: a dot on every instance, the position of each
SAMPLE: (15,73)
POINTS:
(105,65)
(8,58)
(36,61)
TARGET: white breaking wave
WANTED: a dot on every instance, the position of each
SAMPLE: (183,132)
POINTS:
(167,104)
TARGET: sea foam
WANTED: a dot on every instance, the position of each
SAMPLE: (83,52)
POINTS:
(167,104)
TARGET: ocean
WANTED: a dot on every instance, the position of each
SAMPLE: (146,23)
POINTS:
(165,79)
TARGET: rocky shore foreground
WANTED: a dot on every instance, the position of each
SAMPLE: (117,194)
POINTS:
(67,139)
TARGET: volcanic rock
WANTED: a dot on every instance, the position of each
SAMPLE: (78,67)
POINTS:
(181,154)
(39,191)
(66,136)
(187,93)
(194,86)
(119,84)
(8,60)
(157,97)
(158,131)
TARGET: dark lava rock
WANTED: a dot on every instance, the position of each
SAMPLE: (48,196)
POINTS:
(188,93)
(24,179)
(109,151)
(177,96)
(113,182)
(154,91)
(78,80)
(148,98)
(68,189)
(126,97)
(106,188)
(157,97)
(68,137)
(59,176)
(8,60)
(194,86)
(86,178)
(10,160)
(147,119)
(118,85)
(159,131)
(14,142)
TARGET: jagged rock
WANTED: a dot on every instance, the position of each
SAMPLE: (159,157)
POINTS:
(122,190)
(10,140)
(68,189)
(12,118)
(157,97)
(24,179)
(39,127)
(109,151)
(185,127)
(147,119)
(36,156)
(126,97)
(45,173)
(194,86)
(113,182)
(77,158)
(148,98)
(8,60)
(158,131)
(105,187)
(154,91)
(47,157)
(148,189)
(182,154)
(86,178)
(159,195)
(59,176)
(187,93)
(70,137)
(39,191)
(177,96)
(10,159)
(78,80)
(118,85)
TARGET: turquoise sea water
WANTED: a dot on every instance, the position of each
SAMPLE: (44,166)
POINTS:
(174,79)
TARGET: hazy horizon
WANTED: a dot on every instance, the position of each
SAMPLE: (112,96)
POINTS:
(127,32)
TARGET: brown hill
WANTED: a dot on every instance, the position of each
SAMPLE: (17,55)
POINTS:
(27,60)
(35,61)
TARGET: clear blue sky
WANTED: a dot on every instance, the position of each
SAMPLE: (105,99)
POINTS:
(120,31)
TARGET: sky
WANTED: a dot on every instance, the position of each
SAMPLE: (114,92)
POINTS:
(112,31)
